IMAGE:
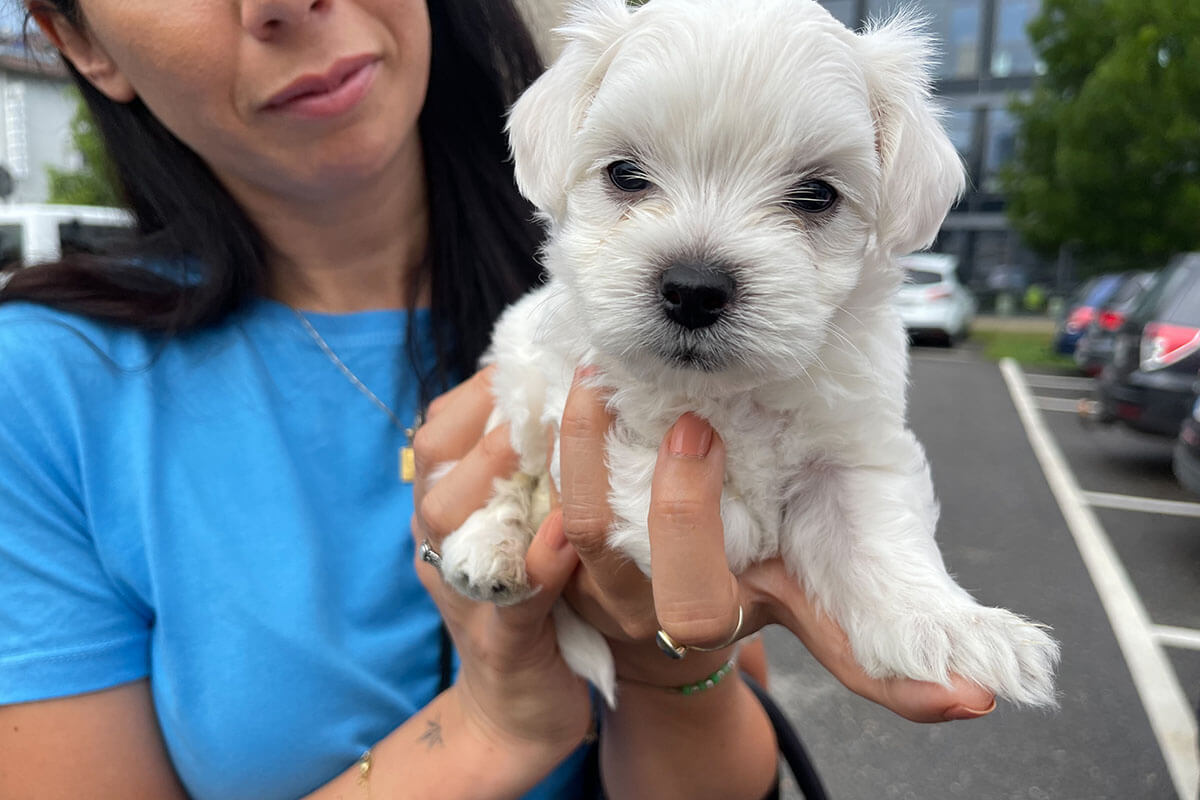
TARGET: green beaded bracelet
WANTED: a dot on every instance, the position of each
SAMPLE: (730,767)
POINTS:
(707,683)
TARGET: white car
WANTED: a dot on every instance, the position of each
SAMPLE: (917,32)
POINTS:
(931,301)
(33,233)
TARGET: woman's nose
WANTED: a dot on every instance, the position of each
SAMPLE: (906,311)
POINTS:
(267,18)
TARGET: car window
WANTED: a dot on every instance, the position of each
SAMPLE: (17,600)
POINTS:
(1102,290)
(1077,299)
(11,239)
(1166,285)
(81,237)
(921,277)
(1129,290)
(1183,305)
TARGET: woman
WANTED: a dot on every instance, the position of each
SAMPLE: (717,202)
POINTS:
(205,588)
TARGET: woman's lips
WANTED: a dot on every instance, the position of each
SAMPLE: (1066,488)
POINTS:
(329,95)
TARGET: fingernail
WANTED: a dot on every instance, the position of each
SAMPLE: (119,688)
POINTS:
(691,437)
(556,536)
(962,712)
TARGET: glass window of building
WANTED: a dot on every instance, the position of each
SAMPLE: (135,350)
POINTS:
(845,11)
(994,263)
(955,23)
(1001,144)
(882,9)
(1013,53)
(960,38)
(959,122)
(955,243)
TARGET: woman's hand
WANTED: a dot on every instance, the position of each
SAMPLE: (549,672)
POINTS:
(513,683)
(694,597)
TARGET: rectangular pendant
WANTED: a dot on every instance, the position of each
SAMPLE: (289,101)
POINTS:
(408,465)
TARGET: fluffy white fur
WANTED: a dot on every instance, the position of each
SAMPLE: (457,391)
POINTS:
(726,106)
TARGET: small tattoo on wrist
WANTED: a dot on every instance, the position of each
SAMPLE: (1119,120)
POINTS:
(433,733)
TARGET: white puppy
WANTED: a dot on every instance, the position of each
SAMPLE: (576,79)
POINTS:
(727,185)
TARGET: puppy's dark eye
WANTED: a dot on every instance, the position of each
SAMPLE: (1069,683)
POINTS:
(812,197)
(627,176)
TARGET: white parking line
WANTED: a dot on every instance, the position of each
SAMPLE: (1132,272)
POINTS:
(1171,717)
(1170,636)
(1057,404)
(1059,382)
(1150,505)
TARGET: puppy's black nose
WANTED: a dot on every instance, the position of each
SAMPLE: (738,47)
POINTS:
(695,295)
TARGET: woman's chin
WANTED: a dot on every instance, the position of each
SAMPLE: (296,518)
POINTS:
(357,167)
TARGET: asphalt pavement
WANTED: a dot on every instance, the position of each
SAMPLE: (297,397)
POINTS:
(1004,537)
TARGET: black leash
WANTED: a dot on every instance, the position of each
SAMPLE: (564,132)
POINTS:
(445,659)
(790,747)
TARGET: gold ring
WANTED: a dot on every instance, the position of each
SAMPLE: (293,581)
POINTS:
(677,651)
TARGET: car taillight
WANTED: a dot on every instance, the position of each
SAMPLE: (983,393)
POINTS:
(1080,318)
(1164,344)
(937,293)
(1111,320)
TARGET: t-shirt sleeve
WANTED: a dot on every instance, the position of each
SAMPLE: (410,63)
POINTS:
(64,627)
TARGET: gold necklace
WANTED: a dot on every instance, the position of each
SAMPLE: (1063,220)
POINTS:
(408,464)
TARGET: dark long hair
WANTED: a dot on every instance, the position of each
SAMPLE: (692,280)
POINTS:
(208,257)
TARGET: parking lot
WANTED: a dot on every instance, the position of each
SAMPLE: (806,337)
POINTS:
(1081,527)
(1125,479)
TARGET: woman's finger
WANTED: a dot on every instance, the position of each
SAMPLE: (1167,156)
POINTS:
(914,700)
(584,489)
(621,608)
(549,563)
(695,595)
(610,591)
(454,423)
(919,701)
(478,384)
(446,505)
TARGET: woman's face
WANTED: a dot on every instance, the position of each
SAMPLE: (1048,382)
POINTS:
(275,95)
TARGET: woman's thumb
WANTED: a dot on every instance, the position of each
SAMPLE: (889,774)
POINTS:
(549,564)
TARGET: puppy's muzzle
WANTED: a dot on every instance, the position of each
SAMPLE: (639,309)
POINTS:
(695,295)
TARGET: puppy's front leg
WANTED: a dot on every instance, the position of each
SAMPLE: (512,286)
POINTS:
(485,558)
(862,540)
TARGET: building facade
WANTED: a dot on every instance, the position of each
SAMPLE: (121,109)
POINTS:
(987,57)
(36,107)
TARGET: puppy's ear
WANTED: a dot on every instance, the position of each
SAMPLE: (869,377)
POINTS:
(922,172)
(544,121)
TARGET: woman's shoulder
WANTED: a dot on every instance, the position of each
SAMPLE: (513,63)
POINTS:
(35,335)
(42,330)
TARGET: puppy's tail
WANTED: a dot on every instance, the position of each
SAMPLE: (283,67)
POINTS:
(586,652)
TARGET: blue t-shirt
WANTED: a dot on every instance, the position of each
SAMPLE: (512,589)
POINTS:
(220,512)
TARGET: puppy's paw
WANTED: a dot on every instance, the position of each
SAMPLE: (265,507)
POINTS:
(485,558)
(1010,656)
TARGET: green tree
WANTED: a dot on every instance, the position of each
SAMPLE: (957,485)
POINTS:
(92,183)
(1108,154)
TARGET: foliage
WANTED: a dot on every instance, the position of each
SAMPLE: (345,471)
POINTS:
(1026,348)
(1108,157)
(1035,298)
(92,183)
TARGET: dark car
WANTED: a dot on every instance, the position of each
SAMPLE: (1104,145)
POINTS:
(1156,354)
(1094,349)
(1187,449)
(1081,310)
